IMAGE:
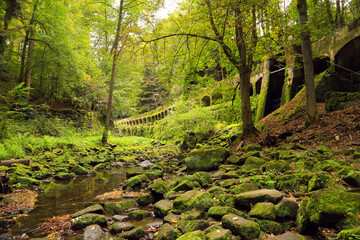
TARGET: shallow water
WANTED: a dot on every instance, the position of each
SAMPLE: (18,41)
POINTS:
(66,198)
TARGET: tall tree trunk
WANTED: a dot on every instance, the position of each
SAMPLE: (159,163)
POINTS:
(263,91)
(115,52)
(29,64)
(311,109)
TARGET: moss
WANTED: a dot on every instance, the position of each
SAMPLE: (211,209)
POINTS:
(138,214)
(197,235)
(193,199)
(186,226)
(167,232)
(244,187)
(120,207)
(279,166)
(206,159)
(240,226)
(63,176)
(263,210)
(144,199)
(204,179)
(88,219)
(184,186)
(159,187)
(270,227)
(79,170)
(349,234)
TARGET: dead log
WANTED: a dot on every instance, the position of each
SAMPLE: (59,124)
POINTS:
(26,161)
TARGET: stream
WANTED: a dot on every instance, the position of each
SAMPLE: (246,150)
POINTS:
(67,197)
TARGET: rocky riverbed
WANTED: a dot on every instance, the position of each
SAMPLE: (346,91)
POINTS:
(212,193)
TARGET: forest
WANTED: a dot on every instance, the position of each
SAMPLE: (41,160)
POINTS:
(219,120)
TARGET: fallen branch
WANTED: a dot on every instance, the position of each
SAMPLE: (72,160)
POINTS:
(26,161)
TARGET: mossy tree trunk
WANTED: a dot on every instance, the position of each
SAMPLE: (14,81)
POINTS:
(289,76)
(263,91)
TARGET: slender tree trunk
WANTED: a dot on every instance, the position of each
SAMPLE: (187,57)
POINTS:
(29,64)
(263,91)
(248,125)
(113,73)
(311,109)
(23,56)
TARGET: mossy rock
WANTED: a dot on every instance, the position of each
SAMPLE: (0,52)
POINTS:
(145,199)
(204,179)
(133,172)
(193,199)
(79,170)
(196,235)
(137,181)
(119,227)
(264,210)
(322,150)
(329,208)
(219,234)
(186,226)
(215,191)
(287,208)
(87,220)
(159,187)
(245,200)
(27,181)
(240,226)
(167,232)
(252,154)
(230,175)
(162,207)
(138,214)
(279,166)
(225,200)
(353,178)
(218,212)
(206,159)
(349,234)
(134,234)
(318,181)
(185,185)
(270,227)
(289,236)
(236,160)
(154,174)
(63,176)
(227,183)
(252,164)
(172,218)
(244,187)
(120,207)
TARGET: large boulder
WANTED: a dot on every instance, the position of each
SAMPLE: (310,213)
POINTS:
(206,159)
(193,200)
(167,232)
(287,208)
(264,210)
(119,207)
(246,199)
(240,226)
(329,208)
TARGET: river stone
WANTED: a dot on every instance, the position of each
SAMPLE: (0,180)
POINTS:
(120,218)
(218,212)
(138,214)
(264,210)
(134,234)
(145,164)
(219,234)
(120,207)
(329,208)
(244,187)
(119,227)
(252,164)
(206,159)
(216,191)
(204,179)
(159,188)
(197,235)
(96,208)
(145,199)
(185,185)
(289,236)
(287,208)
(88,219)
(172,218)
(167,232)
(193,199)
(156,224)
(240,226)
(269,226)
(245,199)
(162,207)
(186,226)
(93,232)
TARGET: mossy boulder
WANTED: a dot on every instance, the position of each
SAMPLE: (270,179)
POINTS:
(353,178)
(218,212)
(252,164)
(264,210)
(349,234)
(63,176)
(287,208)
(318,181)
(244,187)
(87,220)
(230,175)
(329,208)
(167,232)
(186,226)
(134,234)
(270,227)
(96,208)
(245,200)
(162,207)
(145,199)
(119,207)
(240,226)
(322,150)
(196,235)
(27,181)
(185,185)
(215,191)
(236,160)
(119,227)
(193,200)
(204,179)
(219,234)
(252,147)
(227,183)
(137,181)
(225,200)
(79,170)
(93,232)
(159,188)
(138,214)
(154,174)
(206,159)
(279,166)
